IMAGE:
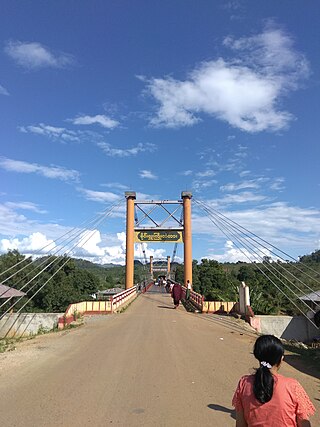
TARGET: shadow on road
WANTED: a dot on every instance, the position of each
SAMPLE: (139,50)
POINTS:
(220,408)
(304,360)
(153,299)
(164,306)
(228,322)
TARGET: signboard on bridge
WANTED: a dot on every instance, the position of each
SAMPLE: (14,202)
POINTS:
(154,235)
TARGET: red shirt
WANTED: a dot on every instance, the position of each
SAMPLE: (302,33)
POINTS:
(289,402)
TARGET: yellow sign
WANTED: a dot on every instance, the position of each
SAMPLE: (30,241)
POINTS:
(158,236)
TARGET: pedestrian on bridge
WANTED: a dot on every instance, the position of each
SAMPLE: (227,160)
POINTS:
(267,398)
(176,294)
(189,289)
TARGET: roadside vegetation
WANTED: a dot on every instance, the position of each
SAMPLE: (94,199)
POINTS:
(64,281)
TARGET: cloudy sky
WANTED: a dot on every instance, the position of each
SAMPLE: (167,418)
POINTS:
(220,98)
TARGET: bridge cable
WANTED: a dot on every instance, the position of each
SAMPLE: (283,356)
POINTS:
(40,251)
(214,221)
(261,239)
(75,231)
(281,273)
(227,220)
(269,279)
(80,243)
(176,244)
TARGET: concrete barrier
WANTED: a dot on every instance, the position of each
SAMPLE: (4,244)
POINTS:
(218,306)
(116,303)
(286,327)
(17,325)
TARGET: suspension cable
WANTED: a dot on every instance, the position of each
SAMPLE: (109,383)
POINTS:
(80,243)
(39,251)
(246,255)
(261,239)
(245,238)
(227,220)
(75,231)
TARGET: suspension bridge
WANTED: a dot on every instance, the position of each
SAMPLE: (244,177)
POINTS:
(151,364)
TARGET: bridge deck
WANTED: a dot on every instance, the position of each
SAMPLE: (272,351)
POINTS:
(149,366)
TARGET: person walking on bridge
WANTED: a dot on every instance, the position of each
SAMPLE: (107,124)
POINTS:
(176,294)
(268,399)
(189,289)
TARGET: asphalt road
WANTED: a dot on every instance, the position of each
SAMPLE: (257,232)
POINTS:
(148,366)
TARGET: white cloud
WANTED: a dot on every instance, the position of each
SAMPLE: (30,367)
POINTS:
(33,55)
(242,185)
(243,91)
(205,174)
(29,206)
(89,241)
(198,185)
(244,173)
(147,174)
(238,253)
(53,172)
(100,196)
(186,173)
(282,225)
(3,91)
(13,223)
(116,185)
(274,184)
(97,250)
(278,184)
(244,197)
(272,52)
(99,119)
(52,132)
(126,152)
(36,243)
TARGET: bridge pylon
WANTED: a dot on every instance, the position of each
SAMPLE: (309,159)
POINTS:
(155,233)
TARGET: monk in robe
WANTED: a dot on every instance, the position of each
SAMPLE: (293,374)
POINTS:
(176,294)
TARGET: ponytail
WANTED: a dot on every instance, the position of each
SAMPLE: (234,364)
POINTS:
(263,384)
(269,351)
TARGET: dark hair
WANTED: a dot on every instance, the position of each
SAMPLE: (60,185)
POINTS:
(269,349)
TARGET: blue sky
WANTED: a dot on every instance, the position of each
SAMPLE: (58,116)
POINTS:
(218,98)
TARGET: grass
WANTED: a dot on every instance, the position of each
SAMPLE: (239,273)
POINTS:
(9,344)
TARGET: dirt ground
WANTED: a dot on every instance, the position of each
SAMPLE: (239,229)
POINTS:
(149,366)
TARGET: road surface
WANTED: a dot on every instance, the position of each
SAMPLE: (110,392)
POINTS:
(148,366)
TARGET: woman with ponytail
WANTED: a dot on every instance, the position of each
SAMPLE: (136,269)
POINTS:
(268,399)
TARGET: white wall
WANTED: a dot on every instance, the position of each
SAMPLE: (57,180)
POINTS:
(25,324)
(287,327)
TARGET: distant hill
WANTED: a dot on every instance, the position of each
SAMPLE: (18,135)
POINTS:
(111,265)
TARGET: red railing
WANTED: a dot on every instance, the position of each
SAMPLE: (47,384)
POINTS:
(195,298)
(120,299)
(146,288)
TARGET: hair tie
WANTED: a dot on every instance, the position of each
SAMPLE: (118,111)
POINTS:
(266,365)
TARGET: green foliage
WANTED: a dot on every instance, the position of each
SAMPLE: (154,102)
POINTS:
(53,283)
(210,279)
(61,283)
(269,281)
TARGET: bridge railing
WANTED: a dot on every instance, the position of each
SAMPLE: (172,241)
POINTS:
(196,299)
(116,302)
(203,306)
(147,287)
(123,298)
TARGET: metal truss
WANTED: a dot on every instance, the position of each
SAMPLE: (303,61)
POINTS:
(148,214)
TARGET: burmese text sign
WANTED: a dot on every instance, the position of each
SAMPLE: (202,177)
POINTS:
(158,236)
